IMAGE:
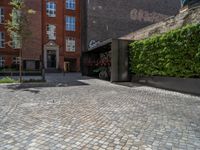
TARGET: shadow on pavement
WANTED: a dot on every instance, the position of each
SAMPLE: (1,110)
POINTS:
(128,84)
(35,87)
(32,91)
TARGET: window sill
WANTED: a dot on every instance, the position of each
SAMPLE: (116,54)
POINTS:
(70,51)
(71,9)
(70,30)
(51,16)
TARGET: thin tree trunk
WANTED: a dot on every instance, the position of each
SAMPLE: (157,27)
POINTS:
(20,65)
(43,68)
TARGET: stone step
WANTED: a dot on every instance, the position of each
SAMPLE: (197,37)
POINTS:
(52,70)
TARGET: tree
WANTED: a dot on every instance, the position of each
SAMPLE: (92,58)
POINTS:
(18,27)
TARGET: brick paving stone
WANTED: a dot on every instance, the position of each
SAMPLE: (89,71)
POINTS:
(84,113)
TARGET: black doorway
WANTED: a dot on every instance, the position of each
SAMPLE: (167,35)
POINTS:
(72,64)
(51,59)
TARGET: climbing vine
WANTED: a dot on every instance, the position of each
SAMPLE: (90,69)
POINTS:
(175,54)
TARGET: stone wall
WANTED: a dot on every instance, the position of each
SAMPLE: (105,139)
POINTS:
(114,18)
(190,16)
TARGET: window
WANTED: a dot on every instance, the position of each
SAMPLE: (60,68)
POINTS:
(2,61)
(1,15)
(15,41)
(51,32)
(70,44)
(16,15)
(30,65)
(71,4)
(2,39)
(16,60)
(51,9)
(70,23)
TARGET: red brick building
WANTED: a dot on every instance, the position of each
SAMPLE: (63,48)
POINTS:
(61,34)
(55,38)
(8,55)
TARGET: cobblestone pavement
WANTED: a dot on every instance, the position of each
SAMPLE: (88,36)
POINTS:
(95,114)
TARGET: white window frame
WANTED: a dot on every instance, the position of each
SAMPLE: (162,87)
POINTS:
(51,31)
(2,15)
(16,60)
(2,40)
(70,22)
(51,9)
(2,62)
(16,42)
(70,44)
(71,4)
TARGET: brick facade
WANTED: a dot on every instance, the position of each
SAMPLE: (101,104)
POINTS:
(112,19)
(77,35)
(189,16)
(33,46)
(37,43)
(8,53)
(73,58)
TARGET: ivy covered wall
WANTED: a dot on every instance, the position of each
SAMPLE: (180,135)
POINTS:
(175,54)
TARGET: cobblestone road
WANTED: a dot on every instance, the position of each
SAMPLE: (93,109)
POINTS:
(85,113)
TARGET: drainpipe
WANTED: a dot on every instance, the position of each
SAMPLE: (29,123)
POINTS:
(42,59)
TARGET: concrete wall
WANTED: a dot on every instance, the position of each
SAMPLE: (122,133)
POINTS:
(120,61)
(185,85)
(115,18)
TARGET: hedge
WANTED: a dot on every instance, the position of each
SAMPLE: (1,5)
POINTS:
(174,54)
(7,80)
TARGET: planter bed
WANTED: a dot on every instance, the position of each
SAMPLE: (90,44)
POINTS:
(16,73)
(185,85)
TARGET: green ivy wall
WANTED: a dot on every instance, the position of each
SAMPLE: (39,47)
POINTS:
(174,54)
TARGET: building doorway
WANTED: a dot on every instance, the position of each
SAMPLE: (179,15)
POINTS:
(67,66)
(71,64)
(51,59)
